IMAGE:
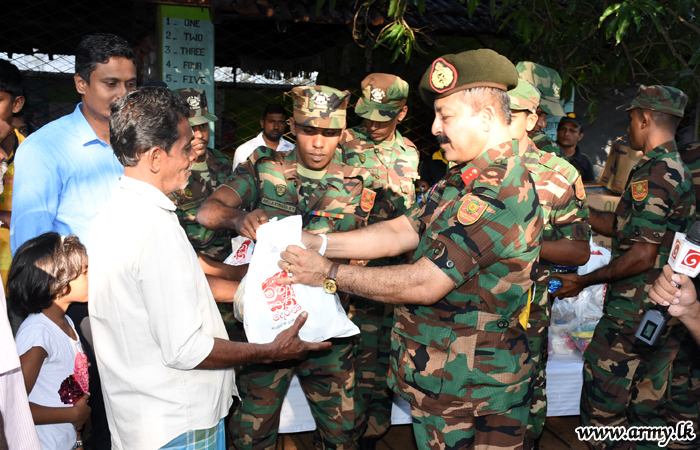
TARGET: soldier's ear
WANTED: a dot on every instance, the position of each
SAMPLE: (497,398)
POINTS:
(292,126)
(402,114)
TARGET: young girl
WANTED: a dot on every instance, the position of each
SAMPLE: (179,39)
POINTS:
(48,273)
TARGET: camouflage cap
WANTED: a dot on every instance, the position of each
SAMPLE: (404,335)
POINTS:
(664,99)
(474,68)
(196,99)
(547,81)
(525,97)
(383,97)
(320,106)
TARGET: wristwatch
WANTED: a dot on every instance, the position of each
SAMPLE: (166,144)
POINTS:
(329,284)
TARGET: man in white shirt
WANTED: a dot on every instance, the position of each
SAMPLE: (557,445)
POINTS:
(157,331)
(273,124)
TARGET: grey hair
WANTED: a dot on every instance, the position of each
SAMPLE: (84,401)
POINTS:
(479,98)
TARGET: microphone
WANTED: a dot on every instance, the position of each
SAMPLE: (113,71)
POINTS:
(684,259)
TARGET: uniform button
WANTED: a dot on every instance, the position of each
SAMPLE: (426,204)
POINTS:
(436,251)
(502,323)
(656,235)
(450,264)
(637,233)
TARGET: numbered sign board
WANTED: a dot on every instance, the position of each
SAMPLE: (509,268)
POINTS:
(187,50)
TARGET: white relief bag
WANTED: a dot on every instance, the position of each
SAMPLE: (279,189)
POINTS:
(269,308)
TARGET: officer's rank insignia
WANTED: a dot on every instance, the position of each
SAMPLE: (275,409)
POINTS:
(367,199)
(470,175)
(580,191)
(362,158)
(639,190)
(443,76)
(188,192)
(486,180)
(471,209)
(280,189)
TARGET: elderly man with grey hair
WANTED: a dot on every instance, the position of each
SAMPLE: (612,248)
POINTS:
(160,343)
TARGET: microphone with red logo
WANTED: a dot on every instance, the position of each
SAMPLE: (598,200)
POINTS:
(684,259)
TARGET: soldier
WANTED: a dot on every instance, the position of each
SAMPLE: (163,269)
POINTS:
(330,197)
(211,168)
(393,160)
(548,82)
(459,354)
(564,239)
(625,380)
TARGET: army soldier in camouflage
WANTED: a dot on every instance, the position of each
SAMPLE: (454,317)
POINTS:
(548,82)
(329,197)
(377,146)
(459,354)
(626,381)
(564,239)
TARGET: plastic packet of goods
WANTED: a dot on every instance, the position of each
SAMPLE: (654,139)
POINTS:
(562,311)
(562,344)
(241,251)
(582,335)
(238,300)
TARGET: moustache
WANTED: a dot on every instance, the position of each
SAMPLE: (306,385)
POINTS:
(442,139)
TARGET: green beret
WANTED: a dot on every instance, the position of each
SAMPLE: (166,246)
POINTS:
(474,68)
(664,99)
(525,97)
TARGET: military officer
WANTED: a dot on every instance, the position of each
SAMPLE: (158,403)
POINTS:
(625,380)
(378,146)
(330,197)
(548,82)
(459,354)
(564,239)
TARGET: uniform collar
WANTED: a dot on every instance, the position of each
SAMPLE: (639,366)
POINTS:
(666,147)
(148,191)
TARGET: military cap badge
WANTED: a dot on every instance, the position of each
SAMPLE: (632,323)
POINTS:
(443,76)
(320,100)
(280,189)
(471,209)
(377,95)
(639,190)
(193,101)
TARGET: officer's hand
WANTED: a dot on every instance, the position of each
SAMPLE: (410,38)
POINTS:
(311,241)
(289,346)
(247,225)
(81,412)
(305,266)
(571,285)
(676,291)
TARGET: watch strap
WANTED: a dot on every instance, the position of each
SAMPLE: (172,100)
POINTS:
(333,273)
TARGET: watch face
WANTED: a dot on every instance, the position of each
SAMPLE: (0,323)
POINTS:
(330,286)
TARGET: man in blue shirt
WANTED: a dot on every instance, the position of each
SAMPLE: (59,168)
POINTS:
(66,170)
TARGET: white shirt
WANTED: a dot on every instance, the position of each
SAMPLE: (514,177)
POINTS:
(37,330)
(153,320)
(245,150)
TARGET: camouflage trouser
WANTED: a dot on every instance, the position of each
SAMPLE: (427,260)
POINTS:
(625,381)
(684,404)
(539,352)
(494,431)
(328,380)
(374,399)
(234,328)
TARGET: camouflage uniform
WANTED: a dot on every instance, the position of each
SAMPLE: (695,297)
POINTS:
(565,214)
(464,362)
(544,143)
(626,381)
(338,201)
(394,165)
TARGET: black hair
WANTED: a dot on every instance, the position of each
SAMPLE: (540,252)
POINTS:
(10,79)
(662,119)
(145,118)
(97,49)
(274,109)
(42,270)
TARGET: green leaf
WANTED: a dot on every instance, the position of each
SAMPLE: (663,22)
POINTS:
(637,18)
(611,9)
(319,5)
(421,7)
(392,8)
(624,23)
(527,30)
(471,6)
(687,73)
(695,58)
(493,8)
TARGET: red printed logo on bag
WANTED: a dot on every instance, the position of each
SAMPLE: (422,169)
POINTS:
(239,257)
(280,298)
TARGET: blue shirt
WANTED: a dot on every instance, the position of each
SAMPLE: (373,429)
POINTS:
(64,174)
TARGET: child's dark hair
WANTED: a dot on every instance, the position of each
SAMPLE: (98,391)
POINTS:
(97,49)
(10,79)
(42,269)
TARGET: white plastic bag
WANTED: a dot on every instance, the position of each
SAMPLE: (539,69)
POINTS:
(241,251)
(269,308)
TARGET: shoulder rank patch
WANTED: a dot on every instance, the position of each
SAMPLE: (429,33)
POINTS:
(471,209)
(280,189)
(367,199)
(639,190)
(470,175)
(580,191)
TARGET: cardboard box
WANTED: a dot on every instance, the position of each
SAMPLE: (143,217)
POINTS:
(601,201)
(617,169)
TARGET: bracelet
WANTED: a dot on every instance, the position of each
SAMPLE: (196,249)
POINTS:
(78,444)
(322,250)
